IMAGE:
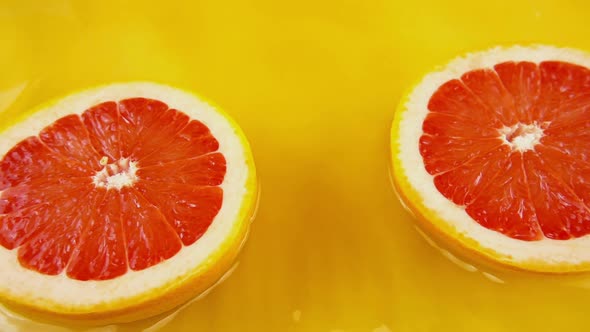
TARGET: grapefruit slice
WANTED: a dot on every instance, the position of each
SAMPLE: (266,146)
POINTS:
(120,202)
(492,155)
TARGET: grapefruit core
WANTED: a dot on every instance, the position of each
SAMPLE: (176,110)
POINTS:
(120,202)
(491,153)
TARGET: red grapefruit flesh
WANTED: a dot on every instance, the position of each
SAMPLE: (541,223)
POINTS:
(120,202)
(491,154)
(522,194)
(168,198)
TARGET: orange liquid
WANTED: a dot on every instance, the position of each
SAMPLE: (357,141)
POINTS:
(314,85)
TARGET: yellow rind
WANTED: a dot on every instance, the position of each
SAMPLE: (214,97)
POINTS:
(170,295)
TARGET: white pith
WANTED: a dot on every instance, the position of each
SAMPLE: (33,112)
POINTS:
(117,175)
(18,282)
(409,130)
(527,136)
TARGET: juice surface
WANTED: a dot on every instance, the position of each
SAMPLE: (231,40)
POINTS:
(314,85)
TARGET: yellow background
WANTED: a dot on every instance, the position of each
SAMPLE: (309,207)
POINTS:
(314,85)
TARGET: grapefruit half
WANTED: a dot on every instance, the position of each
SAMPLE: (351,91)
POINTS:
(491,153)
(120,202)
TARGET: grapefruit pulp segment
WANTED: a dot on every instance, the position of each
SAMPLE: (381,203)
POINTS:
(101,253)
(149,237)
(102,122)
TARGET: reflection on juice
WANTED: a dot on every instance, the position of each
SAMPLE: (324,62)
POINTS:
(314,85)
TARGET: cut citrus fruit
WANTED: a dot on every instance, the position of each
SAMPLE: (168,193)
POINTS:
(121,202)
(491,153)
